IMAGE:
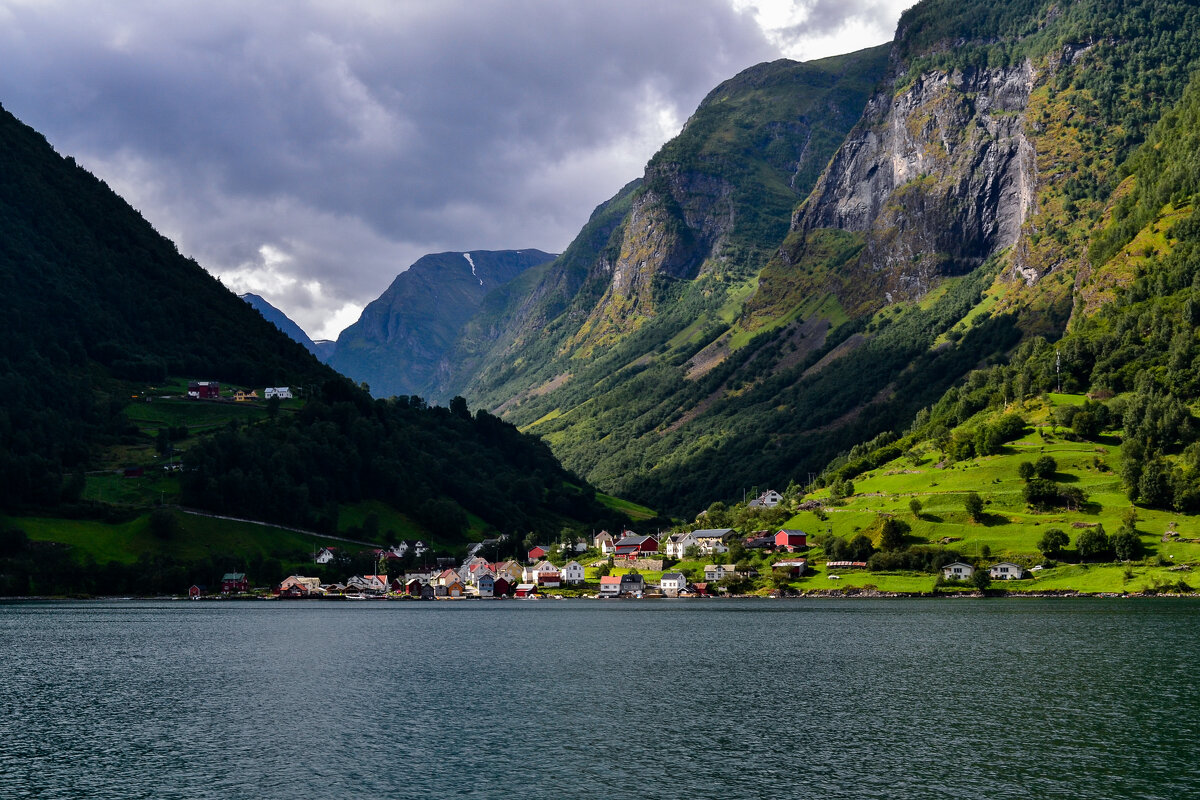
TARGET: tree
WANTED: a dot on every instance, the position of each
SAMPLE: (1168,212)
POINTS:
(458,407)
(914,505)
(603,570)
(1053,541)
(1045,467)
(1127,545)
(973,504)
(981,579)
(1093,543)
(892,535)
(717,515)
(1025,470)
(1040,492)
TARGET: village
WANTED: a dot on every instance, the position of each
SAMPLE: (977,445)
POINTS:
(624,566)
(698,563)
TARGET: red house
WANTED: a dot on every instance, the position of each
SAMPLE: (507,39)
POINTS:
(538,552)
(502,586)
(791,540)
(234,582)
(633,546)
(204,390)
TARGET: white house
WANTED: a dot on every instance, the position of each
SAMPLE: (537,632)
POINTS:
(714,572)
(672,583)
(542,573)
(1006,571)
(325,555)
(712,540)
(610,586)
(957,571)
(768,499)
(470,566)
(282,392)
(572,572)
(603,541)
(678,543)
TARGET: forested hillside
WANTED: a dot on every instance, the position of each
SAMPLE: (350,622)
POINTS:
(106,325)
(94,298)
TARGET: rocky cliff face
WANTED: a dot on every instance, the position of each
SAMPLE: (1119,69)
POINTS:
(937,177)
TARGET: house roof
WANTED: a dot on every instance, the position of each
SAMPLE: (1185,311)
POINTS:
(791,562)
(673,576)
(234,576)
(957,564)
(610,580)
(634,539)
(712,533)
(791,532)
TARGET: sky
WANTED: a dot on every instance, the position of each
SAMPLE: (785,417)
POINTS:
(310,150)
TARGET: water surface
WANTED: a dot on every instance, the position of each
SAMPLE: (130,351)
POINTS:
(735,699)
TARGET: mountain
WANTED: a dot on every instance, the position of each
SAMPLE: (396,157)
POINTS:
(105,325)
(402,342)
(94,298)
(280,320)
(829,247)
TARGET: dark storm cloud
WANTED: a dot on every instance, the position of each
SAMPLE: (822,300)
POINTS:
(311,151)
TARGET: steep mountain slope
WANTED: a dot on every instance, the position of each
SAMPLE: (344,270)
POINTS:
(669,250)
(99,308)
(401,344)
(282,321)
(952,223)
(93,296)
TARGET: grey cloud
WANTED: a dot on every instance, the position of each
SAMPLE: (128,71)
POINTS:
(354,138)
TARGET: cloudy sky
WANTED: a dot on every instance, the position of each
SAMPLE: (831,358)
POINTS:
(310,151)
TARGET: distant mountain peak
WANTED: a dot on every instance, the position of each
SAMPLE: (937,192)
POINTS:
(284,323)
(402,342)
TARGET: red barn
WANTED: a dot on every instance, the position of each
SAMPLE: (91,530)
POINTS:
(538,552)
(791,540)
(502,586)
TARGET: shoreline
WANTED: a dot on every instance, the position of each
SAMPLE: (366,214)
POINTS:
(819,594)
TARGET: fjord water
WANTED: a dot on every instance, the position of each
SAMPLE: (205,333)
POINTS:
(737,699)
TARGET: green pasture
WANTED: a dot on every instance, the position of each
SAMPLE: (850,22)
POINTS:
(630,509)
(196,538)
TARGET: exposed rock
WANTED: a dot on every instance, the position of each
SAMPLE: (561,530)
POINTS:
(939,177)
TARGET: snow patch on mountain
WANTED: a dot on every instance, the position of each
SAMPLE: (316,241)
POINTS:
(470,261)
